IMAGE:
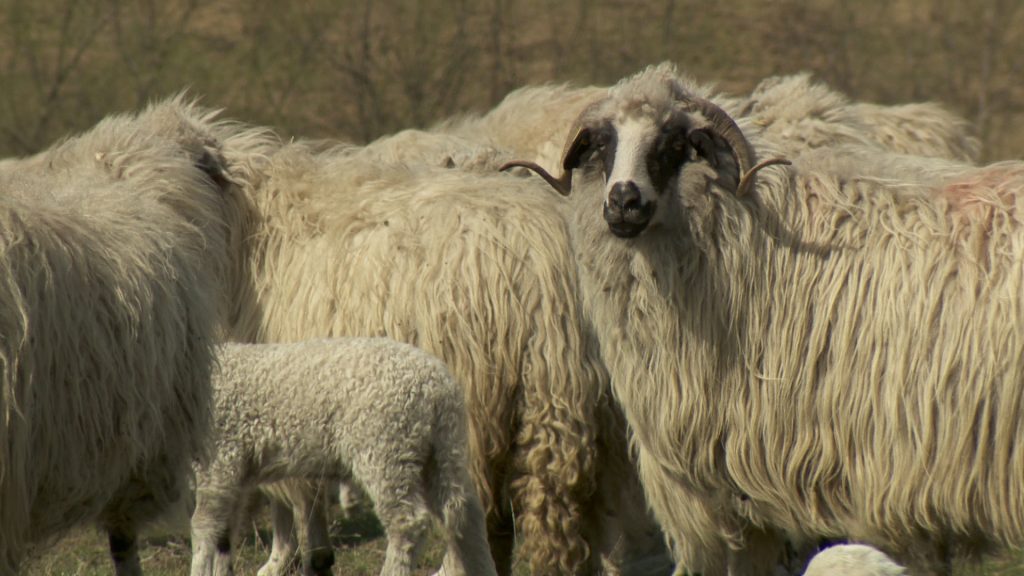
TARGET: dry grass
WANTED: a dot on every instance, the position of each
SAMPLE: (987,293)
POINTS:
(359,548)
(358,542)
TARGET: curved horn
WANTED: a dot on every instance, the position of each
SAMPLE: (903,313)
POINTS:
(571,154)
(726,127)
(563,185)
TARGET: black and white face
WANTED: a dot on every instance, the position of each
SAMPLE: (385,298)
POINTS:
(640,158)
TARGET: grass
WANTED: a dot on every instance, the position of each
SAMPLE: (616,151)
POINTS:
(358,543)
(165,550)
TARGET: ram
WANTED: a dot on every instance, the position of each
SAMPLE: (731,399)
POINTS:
(831,349)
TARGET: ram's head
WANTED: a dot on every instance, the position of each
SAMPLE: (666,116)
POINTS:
(636,142)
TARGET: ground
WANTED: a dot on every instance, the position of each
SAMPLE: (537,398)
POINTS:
(359,551)
(359,548)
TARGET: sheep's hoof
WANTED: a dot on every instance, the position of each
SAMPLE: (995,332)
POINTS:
(320,562)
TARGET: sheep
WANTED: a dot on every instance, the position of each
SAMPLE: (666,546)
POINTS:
(529,122)
(800,114)
(434,149)
(339,244)
(791,348)
(112,250)
(388,412)
(852,560)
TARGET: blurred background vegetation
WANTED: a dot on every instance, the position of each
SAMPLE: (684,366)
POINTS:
(357,69)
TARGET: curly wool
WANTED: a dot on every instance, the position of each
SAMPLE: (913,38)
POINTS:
(389,412)
(852,560)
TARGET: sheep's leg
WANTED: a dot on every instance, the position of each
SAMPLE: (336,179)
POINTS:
(285,546)
(467,554)
(623,535)
(926,557)
(212,524)
(144,496)
(501,538)
(765,553)
(317,552)
(348,496)
(124,550)
(401,507)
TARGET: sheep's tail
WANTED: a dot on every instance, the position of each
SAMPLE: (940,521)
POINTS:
(452,493)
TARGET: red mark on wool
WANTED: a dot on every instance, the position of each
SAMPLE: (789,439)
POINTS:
(996,187)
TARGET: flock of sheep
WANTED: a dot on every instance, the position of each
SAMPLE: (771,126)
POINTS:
(738,327)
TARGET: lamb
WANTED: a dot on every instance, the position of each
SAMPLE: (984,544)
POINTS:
(388,412)
(825,350)
(112,251)
(852,560)
(476,269)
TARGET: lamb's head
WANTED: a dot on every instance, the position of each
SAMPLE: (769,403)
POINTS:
(636,143)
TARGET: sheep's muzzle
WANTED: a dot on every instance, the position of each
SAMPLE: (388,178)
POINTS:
(625,212)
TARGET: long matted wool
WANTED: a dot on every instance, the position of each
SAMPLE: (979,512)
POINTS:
(836,354)
(112,247)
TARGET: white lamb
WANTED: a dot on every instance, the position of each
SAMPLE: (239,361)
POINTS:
(852,560)
(389,412)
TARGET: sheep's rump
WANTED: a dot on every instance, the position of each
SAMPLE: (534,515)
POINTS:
(109,252)
(476,270)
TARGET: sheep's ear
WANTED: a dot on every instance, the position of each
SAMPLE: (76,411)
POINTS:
(214,166)
(703,141)
(575,150)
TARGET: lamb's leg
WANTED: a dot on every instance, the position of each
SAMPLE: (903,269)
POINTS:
(285,546)
(348,496)
(402,508)
(212,524)
(317,552)
(468,553)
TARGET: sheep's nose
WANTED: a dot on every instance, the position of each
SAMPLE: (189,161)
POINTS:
(624,197)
